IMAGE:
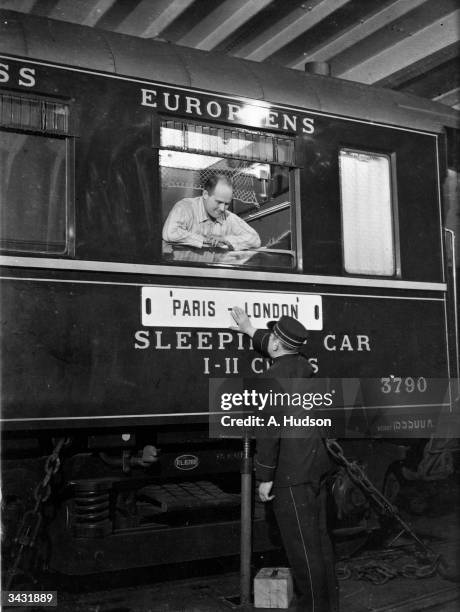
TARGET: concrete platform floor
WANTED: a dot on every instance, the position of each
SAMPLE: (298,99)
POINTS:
(217,589)
(218,593)
(209,595)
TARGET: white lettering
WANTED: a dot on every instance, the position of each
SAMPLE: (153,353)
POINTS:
(142,337)
(272,117)
(233,112)
(313,361)
(289,123)
(224,338)
(346,344)
(147,97)
(27,77)
(158,343)
(203,340)
(181,340)
(192,103)
(217,109)
(308,125)
(231,365)
(4,74)
(257,365)
(195,106)
(326,342)
(263,398)
(363,341)
(168,105)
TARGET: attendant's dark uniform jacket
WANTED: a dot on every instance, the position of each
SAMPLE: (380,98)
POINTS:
(289,461)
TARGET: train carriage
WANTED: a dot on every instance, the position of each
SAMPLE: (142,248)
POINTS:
(111,333)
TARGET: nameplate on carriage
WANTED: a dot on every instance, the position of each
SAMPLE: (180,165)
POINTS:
(211,308)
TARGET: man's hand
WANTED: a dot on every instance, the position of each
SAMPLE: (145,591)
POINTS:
(212,242)
(217,242)
(243,324)
(264,491)
(225,244)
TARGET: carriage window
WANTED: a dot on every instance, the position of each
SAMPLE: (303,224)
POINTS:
(33,191)
(226,196)
(367,213)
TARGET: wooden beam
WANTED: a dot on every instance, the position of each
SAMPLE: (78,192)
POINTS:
(442,32)
(222,22)
(22,6)
(450,98)
(150,18)
(429,65)
(392,34)
(286,30)
(434,82)
(84,12)
(359,31)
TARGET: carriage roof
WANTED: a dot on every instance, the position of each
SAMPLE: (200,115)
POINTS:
(73,45)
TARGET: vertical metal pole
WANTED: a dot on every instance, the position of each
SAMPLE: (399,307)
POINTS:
(246,522)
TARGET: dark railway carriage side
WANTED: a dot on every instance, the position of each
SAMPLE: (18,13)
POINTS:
(88,354)
(80,355)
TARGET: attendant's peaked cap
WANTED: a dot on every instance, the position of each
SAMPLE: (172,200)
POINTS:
(290,331)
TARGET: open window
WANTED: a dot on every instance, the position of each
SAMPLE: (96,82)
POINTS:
(33,175)
(260,211)
(367,213)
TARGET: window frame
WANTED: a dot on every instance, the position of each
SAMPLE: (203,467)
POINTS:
(294,191)
(394,205)
(69,140)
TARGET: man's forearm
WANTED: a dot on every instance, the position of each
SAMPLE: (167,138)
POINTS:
(244,242)
(251,331)
(183,237)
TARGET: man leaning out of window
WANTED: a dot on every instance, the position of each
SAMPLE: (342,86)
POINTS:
(205,222)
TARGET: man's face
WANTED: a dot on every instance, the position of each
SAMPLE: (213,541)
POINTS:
(272,346)
(218,201)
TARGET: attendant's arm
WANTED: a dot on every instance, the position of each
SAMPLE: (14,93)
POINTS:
(266,461)
(240,235)
(177,227)
(267,447)
(244,325)
(266,457)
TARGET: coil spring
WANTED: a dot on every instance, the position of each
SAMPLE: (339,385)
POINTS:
(91,509)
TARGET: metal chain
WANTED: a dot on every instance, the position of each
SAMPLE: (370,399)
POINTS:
(380,567)
(30,524)
(360,478)
(377,573)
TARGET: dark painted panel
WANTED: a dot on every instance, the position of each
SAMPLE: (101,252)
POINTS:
(417,202)
(69,351)
(116,178)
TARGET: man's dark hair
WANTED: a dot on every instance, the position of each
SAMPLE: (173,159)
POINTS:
(213,179)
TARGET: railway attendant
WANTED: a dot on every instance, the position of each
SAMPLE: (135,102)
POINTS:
(292,472)
(205,222)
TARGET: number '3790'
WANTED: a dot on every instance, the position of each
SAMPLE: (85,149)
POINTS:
(396,384)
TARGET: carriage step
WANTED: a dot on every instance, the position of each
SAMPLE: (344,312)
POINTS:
(187,495)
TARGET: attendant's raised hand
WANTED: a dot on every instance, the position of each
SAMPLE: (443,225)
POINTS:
(243,323)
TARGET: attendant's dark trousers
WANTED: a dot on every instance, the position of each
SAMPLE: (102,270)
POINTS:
(301,515)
